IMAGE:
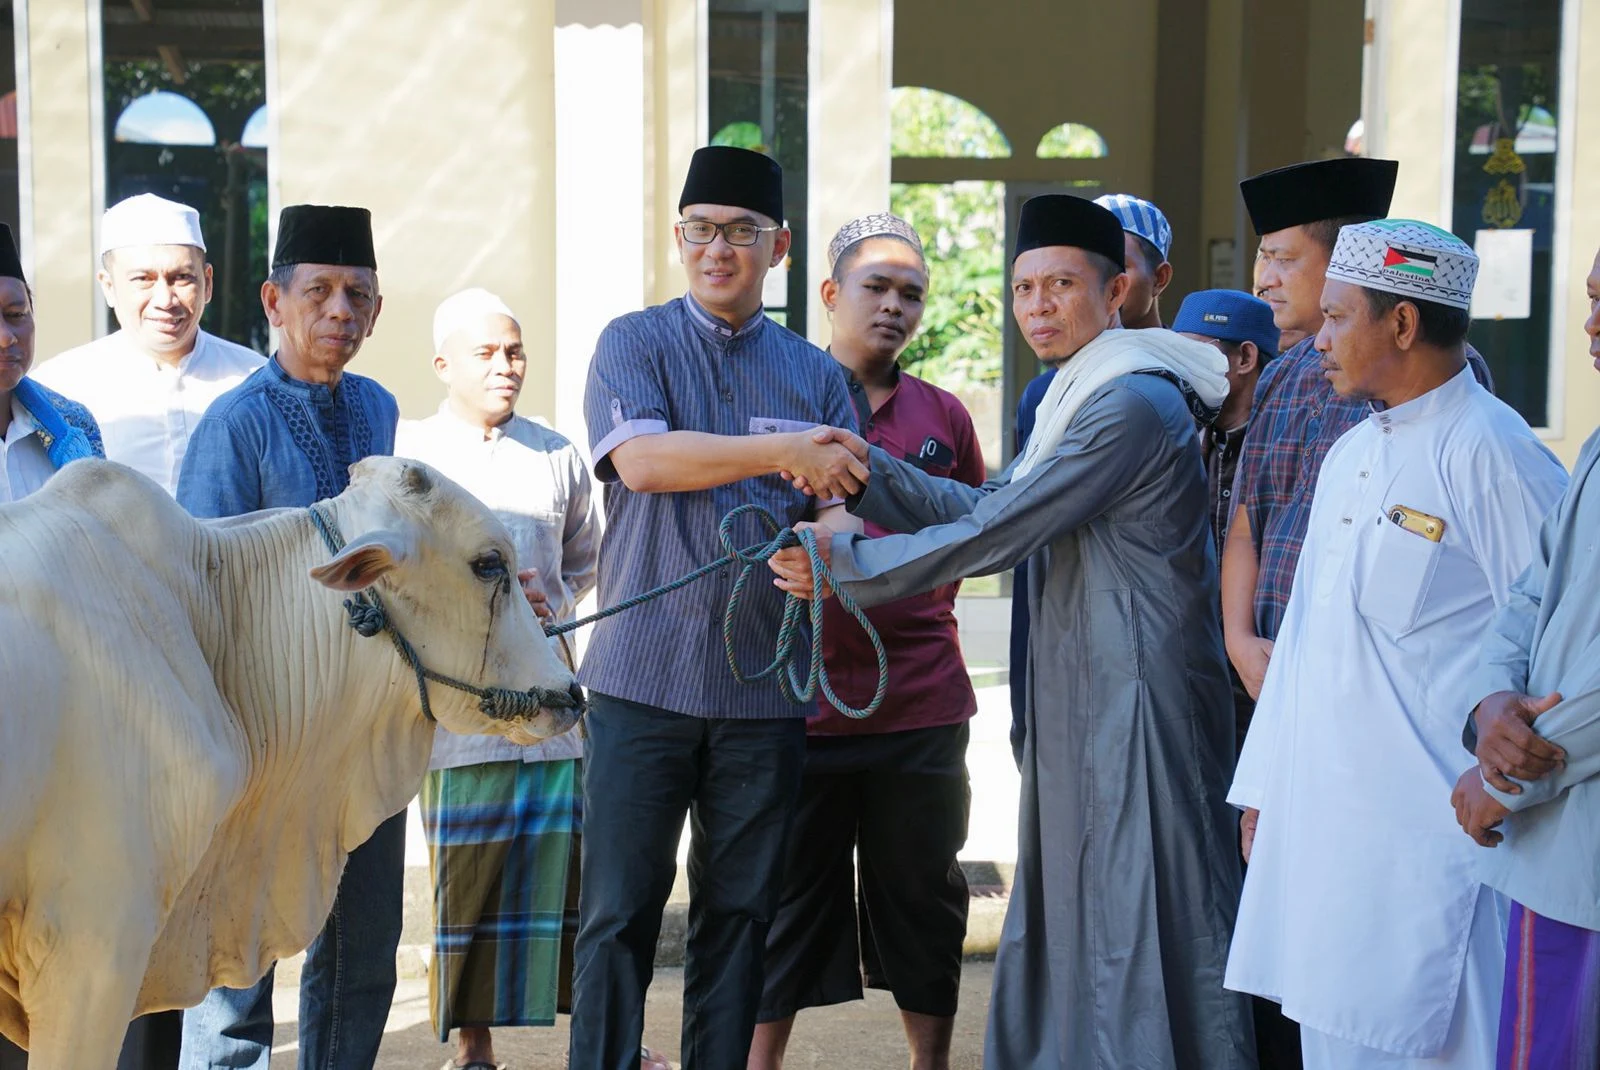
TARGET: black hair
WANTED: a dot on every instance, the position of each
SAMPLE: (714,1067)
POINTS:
(1148,253)
(1104,266)
(1325,232)
(1439,325)
(847,259)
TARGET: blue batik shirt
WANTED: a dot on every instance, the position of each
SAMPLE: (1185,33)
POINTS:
(274,441)
(675,367)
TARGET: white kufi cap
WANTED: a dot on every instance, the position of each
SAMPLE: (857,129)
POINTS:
(149,220)
(466,309)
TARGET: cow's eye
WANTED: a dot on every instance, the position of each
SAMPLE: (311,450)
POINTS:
(489,567)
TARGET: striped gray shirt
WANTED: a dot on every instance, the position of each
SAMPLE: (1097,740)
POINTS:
(675,367)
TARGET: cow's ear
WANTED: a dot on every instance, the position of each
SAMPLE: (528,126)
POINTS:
(360,564)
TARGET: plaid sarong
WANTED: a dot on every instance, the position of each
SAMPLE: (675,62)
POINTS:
(1550,1008)
(502,848)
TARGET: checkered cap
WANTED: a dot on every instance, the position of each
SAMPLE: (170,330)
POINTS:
(1139,216)
(1406,257)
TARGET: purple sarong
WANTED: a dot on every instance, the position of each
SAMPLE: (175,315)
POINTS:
(1550,1008)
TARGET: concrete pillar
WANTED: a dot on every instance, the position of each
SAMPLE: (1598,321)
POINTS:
(57,172)
(674,127)
(442,122)
(852,56)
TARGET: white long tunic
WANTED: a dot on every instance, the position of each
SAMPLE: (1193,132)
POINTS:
(537,483)
(1361,890)
(24,462)
(146,409)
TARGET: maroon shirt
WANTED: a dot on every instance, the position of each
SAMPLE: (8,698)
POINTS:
(928,682)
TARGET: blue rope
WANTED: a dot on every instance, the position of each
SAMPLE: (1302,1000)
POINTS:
(787,655)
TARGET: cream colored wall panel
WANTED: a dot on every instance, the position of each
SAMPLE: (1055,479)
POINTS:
(1415,50)
(675,75)
(442,122)
(58,238)
(600,188)
(852,46)
(1578,385)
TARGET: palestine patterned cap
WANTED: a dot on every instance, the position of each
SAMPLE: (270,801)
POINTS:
(876,225)
(1138,216)
(1402,256)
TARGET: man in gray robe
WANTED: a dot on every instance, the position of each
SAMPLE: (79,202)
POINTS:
(1127,876)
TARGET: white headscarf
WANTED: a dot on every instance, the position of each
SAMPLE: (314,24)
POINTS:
(1114,353)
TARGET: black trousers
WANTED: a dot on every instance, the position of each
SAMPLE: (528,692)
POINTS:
(893,806)
(644,769)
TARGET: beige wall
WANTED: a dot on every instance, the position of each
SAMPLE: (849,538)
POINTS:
(1410,85)
(1032,64)
(57,175)
(852,47)
(673,48)
(443,124)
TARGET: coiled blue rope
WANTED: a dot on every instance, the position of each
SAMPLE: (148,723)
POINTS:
(787,655)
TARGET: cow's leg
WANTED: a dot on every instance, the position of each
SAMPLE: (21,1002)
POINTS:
(81,999)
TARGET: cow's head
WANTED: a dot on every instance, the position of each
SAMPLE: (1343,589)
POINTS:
(446,571)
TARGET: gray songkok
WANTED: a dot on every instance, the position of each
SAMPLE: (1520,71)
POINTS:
(876,225)
(1406,257)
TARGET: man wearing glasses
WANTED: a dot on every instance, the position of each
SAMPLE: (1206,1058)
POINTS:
(693,408)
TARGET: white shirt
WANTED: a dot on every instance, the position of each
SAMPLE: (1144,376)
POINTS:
(1360,895)
(147,409)
(24,461)
(537,483)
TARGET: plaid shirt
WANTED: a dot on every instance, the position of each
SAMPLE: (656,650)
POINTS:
(1295,418)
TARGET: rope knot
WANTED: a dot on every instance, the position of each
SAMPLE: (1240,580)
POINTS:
(366,616)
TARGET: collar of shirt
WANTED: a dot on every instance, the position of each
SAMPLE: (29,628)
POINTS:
(451,423)
(1441,397)
(22,424)
(858,396)
(319,394)
(716,330)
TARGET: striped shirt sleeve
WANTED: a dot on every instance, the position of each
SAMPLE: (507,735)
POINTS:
(624,398)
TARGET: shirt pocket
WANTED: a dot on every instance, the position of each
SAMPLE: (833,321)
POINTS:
(1395,576)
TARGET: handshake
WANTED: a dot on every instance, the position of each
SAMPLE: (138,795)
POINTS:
(826,462)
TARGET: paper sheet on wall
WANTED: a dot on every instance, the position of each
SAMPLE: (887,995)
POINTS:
(1504,289)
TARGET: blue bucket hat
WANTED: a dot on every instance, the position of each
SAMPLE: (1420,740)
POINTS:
(1229,316)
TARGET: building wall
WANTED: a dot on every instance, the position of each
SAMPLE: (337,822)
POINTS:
(1411,83)
(453,150)
(56,170)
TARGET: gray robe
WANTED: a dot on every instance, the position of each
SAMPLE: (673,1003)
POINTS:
(1127,876)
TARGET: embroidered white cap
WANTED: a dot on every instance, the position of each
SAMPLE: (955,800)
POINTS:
(465,309)
(149,220)
(1406,257)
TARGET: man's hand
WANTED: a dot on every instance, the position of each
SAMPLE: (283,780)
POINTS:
(1250,655)
(1247,831)
(830,441)
(534,593)
(1478,812)
(793,565)
(1507,744)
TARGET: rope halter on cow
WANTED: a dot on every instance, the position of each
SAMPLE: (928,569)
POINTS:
(367,616)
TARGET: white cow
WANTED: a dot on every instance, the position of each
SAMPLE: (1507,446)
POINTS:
(193,738)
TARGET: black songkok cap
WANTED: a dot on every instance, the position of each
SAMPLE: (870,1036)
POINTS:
(736,178)
(1062,219)
(1322,189)
(10,262)
(320,234)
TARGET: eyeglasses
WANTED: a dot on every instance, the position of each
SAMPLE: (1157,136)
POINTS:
(702,232)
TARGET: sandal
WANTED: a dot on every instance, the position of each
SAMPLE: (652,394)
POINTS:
(451,1064)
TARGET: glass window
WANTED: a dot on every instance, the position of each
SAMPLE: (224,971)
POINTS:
(1072,141)
(931,123)
(185,97)
(757,63)
(1507,102)
(10,196)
